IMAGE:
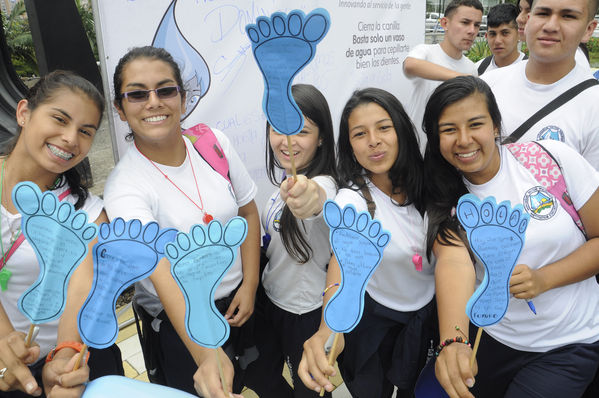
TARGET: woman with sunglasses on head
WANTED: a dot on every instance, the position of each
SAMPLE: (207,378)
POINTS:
(57,124)
(163,178)
(380,167)
(553,352)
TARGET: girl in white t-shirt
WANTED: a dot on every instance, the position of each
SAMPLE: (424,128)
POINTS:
(380,168)
(163,178)
(57,123)
(555,352)
(297,246)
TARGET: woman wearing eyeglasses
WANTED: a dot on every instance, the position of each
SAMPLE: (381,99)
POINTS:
(162,178)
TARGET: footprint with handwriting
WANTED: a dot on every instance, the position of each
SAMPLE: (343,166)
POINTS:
(496,235)
(126,252)
(283,45)
(358,243)
(199,261)
(59,236)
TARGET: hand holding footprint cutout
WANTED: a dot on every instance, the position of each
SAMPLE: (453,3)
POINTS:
(59,236)
(126,252)
(358,243)
(283,45)
(199,261)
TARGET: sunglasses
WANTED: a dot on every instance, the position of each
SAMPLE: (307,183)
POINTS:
(143,95)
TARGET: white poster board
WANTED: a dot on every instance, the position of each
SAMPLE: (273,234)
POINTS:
(365,47)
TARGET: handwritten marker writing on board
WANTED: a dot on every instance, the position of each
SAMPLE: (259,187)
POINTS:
(59,236)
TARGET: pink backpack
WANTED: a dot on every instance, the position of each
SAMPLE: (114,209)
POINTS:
(205,142)
(547,171)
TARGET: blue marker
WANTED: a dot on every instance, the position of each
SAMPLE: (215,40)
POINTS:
(531,306)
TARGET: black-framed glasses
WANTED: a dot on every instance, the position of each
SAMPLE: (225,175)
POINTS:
(143,95)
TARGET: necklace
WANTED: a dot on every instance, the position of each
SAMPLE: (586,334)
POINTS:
(416,258)
(206,217)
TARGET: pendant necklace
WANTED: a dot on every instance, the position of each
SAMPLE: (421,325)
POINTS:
(206,217)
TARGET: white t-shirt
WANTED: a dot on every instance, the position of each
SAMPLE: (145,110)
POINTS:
(25,270)
(582,59)
(135,189)
(493,65)
(396,283)
(295,287)
(423,88)
(576,122)
(565,315)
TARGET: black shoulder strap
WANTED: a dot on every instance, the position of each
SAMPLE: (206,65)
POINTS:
(550,107)
(484,65)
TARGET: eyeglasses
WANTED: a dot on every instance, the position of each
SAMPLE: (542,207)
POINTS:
(143,95)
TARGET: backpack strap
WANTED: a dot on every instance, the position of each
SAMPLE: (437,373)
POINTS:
(484,65)
(550,107)
(547,171)
(206,144)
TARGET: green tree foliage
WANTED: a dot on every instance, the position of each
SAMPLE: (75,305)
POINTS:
(479,50)
(20,42)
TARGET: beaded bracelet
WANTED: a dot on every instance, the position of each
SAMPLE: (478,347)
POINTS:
(328,287)
(447,342)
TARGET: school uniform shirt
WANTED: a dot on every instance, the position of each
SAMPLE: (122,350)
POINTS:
(396,283)
(295,287)
(576,122)
(135,189)
(25,269)
(565,315)
(493,65)
(423,88)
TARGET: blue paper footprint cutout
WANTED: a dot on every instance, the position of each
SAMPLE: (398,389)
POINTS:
(59,236)
(358,243)
(126,252)
(199,261)
(496,235)
(283,45)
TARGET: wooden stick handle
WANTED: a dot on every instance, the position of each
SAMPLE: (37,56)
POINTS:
(81,356)
(220,371)
(331,356)
(29,335)
(475,348)
(291,157)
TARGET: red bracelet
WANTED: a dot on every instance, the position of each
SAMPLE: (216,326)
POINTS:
(66,344)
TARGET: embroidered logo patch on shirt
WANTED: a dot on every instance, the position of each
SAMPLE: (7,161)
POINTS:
(540,204)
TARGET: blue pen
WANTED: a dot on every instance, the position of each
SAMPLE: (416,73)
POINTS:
(531,306)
